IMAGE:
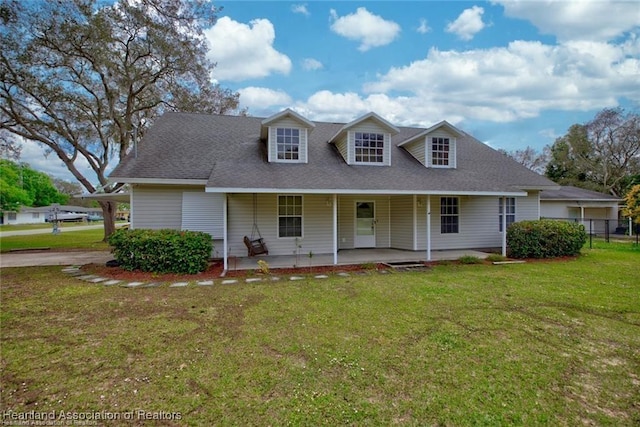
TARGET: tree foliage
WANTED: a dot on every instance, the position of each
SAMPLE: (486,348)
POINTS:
(83,78)
(603,154)
(530,158)
(632,204)
(22,186)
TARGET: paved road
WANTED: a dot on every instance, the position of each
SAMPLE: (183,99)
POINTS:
(40,258)
(49,230)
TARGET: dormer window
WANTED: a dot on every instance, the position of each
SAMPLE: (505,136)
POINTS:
(369,147)
(288,143)
(287,137)
(440,151)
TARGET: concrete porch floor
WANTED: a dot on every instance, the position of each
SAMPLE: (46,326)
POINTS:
(349,256)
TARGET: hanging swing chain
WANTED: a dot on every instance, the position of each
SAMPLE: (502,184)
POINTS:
(255,228)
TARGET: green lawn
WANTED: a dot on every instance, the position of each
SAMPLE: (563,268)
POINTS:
(543,343)
(67,239)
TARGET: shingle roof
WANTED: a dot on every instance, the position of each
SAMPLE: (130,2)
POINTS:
(568,192)
(227,153)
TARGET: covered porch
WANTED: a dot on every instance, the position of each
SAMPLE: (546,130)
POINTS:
(349,257)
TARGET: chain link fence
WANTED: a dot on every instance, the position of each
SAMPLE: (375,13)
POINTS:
(607,229)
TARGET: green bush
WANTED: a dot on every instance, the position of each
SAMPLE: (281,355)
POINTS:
(162,251)
(545,239)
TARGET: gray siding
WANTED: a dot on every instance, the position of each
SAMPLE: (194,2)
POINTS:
(157,207)
(417,149)
(203,212)
(402,221)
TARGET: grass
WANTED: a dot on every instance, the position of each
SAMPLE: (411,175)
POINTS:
(66,240)
(541,343)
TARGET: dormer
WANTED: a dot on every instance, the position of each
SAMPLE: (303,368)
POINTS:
(287,136)
(366,141)
(435,147)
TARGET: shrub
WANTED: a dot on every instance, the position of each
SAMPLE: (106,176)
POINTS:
(162,251)
(469,259)
(545,239)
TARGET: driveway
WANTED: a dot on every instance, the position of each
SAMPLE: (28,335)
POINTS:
(40,258)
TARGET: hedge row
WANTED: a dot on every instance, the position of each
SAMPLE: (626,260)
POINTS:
(545,239)
(162,251)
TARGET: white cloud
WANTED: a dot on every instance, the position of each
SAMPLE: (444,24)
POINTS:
(311,64)
(301,9)
(36,156)
(423,28)
(260,99)
(517,81)
(582,20)
(245,51)
(468,24)
(363,26)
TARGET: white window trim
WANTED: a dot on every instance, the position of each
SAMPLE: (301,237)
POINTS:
(458,215)
(452,152)
(278,217)
(351,149)
(501,212)
(302,145)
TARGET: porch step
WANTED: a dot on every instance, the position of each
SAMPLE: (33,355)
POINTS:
(406,265)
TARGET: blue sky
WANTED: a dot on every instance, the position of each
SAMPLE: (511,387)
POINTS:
(511,73)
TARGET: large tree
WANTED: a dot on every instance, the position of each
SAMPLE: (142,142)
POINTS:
(83,78)
(603,153)
(20,185)
(530,158)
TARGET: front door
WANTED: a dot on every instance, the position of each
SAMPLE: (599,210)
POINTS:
(365,225)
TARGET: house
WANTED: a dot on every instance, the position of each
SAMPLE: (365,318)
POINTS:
(595,210)
(320,188)
(28,215)
(25,215)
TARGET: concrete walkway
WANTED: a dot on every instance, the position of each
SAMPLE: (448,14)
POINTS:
(41,258)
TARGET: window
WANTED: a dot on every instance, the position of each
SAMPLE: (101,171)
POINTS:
(440,151)
(288,143)
(11,216)
(449,215)
(35,215)
(289,216)
(369,147)
(511,211)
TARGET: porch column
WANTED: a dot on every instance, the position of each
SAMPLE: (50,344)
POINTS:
(504,226)
(224,232)
(335,229)
(429,227)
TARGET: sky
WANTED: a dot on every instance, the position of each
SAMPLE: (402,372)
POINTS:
(511,73)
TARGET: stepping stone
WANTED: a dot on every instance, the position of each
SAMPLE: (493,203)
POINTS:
(344,274)
(296,278)
(133,284)
(88,277)
(321,276)
(229,281)
(151,285)
(275,279)
(70,269)
(178,285)
(253,279)
(205,282)
(98,280)
(111,282)
(76,273)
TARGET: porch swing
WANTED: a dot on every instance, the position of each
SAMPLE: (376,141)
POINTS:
(255,244)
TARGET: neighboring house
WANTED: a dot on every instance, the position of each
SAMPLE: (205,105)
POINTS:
(25,215)
(322,187)
(590,207)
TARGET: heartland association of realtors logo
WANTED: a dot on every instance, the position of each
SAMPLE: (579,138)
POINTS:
(80,418)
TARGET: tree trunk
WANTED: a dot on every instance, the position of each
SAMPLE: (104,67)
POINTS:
(109,214)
